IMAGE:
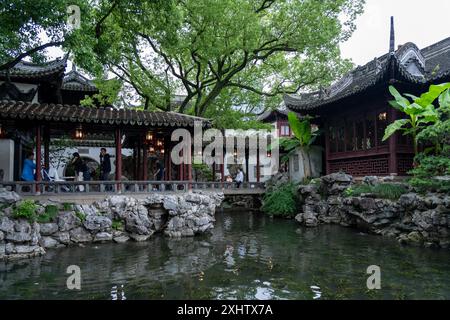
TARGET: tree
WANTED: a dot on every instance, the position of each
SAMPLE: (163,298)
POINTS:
(29,27)
(303,139)
(210,49)
(421,112)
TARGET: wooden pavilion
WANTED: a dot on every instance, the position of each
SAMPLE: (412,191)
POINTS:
(354,112)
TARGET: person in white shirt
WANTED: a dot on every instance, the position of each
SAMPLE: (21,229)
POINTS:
(239,178)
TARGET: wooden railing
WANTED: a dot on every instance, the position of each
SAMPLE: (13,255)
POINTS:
(119,187)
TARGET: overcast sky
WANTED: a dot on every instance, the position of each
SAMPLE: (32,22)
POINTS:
(423,22)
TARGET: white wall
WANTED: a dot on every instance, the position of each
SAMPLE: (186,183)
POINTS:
(316,164)
(92,153)
(7,159)
(25,87)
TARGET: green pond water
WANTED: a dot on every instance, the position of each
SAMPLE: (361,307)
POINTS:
(248,256)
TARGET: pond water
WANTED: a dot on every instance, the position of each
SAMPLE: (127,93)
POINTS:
(248,256)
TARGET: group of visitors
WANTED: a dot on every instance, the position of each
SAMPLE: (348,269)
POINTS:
(239,179)
(82,170)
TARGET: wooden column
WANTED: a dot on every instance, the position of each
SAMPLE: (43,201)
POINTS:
(47,148)
(189,166)
(327,149)
(145,163)
(222,166)
(167,162)
(258,168)
(181,169)
(246,157)
(118,136)
(139,159)
(38,153)
(393,164)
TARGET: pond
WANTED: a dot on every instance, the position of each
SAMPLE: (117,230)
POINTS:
(248,256)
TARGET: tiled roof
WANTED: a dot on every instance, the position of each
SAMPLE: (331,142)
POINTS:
(75,81)
(80,114)
(410,64)
(28,70)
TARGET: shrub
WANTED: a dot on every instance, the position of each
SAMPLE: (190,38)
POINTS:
(25,209)
(117,225)
(428,168)
(51,211)
(67,206)
(81,216)
(383,191)
(282,201)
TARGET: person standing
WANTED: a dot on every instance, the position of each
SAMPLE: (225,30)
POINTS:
(28,168)
(239,178)
(105,165)
(80,168)
(159,174)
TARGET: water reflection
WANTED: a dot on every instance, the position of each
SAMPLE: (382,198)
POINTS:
(248,256)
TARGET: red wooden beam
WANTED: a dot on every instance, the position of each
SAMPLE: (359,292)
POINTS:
(38,156)
(258,168)
(118,154)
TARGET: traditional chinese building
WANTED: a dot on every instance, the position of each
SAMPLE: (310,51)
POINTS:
(354,112)
(40,104)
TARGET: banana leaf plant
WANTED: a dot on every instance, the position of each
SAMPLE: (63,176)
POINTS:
(302,140)
(420,111)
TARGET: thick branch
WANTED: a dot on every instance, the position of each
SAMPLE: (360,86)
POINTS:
(19,58)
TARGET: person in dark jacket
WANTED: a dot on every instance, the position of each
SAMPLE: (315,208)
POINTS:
(80,166)
(105,165)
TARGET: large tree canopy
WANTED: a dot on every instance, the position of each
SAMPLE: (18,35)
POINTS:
(29,27)
(223,56)
(233,52)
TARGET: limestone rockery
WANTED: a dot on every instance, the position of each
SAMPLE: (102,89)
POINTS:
(116,218)
(412,219)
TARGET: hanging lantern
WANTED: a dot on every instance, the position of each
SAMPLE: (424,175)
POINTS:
(152,150)
(159,143)
(149,136)
(162,151)
(79,132)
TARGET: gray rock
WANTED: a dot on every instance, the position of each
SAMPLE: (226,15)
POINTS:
(80,235)
(21,233)
(47,229)
(68,221)
(48,242)
(8,197)
(121,239)
(139,237)
(6,225)
(63,237)
(103,236)
(371,180)
(97,223)
(20,249)
(2,236)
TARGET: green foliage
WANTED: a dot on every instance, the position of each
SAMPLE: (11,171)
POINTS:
(421,112)
(430,167)
(26,209)
(67,206)
(281,202)
(117,225)
(202,172)
(215,54)
(302,141)
(28,24)
(81,216)
(108,93)
(382,191)
(51,211)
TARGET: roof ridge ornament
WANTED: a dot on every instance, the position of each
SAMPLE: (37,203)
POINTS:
(392,38)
